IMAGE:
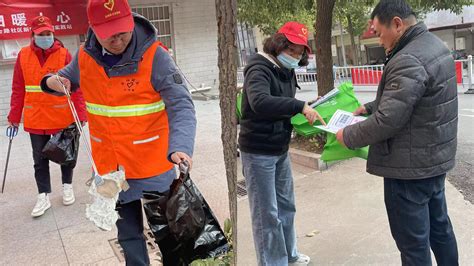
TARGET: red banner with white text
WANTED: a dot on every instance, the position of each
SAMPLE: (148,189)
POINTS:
(68,17)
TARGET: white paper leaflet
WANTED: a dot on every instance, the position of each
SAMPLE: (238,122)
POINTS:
(341,119)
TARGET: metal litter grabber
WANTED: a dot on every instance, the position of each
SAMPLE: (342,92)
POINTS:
(12,131)
(104,189)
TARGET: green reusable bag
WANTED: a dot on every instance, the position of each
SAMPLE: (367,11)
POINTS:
(333,151)
(238,107)
(345,100)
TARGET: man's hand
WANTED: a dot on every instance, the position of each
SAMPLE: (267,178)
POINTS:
(360,111)
(178,157)
(340,137)
(312,115)
(54,84)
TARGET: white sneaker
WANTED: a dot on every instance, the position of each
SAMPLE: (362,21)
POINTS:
(68,194)
(42,204)
(302,260)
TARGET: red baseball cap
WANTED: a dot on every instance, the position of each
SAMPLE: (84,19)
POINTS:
(296,33)
(109,17)
(40,24)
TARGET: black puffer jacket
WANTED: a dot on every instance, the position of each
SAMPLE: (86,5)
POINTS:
(413,124)
(268,103)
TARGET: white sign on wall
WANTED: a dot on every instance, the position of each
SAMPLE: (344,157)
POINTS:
(334,50)
(460,43)
(11,48)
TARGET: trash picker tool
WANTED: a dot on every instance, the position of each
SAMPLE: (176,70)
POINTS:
(12,131)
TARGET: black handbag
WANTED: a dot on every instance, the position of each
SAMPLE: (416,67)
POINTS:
(63,147)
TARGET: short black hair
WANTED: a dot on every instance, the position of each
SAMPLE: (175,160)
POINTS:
(386,10)
(278,42)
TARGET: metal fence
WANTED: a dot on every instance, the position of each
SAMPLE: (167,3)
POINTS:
(358,75)
(368,77)
(240,77)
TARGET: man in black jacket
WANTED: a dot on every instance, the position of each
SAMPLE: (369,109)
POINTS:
(412,131)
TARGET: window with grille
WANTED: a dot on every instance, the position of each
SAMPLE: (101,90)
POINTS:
(160,17)
(246,43)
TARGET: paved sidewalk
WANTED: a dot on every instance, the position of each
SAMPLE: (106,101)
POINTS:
(345,205)
(63,235)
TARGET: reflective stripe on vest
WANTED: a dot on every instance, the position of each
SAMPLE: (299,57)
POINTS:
(114,109)
(32,88)
(126,110)
(42,110)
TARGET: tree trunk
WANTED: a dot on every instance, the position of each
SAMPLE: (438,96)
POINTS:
(355,51)
(226,14)
(324,9)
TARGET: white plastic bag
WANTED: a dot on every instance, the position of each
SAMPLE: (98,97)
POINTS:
(102,210)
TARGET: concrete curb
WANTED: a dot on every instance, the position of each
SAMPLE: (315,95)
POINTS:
(203,97)
(307,159)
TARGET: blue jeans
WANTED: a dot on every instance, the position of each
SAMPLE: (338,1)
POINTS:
(272,206)
(419,220)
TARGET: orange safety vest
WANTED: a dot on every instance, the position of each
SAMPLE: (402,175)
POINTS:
(127,118)
(42,110)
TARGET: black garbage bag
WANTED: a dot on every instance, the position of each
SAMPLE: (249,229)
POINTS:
(210,243)
(165,221)
(63,147)
(154,204)
(184,210)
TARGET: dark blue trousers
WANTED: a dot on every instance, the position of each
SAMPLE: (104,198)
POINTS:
(130,233)
(419,221)
(41,165)
(131,238)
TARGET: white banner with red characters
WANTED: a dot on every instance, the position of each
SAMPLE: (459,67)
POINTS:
(67,16)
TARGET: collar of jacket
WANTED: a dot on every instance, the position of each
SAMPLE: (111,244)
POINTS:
(105,52)
(282,73)
(44,54)
(411,33)
(269,58)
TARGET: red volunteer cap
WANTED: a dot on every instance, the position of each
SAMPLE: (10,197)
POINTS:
(296,33)
(40,24)
(109,17)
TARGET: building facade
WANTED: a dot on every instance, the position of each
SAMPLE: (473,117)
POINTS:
(455,30)
(188,28)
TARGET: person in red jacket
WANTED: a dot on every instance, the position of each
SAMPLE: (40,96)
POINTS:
(43,114)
